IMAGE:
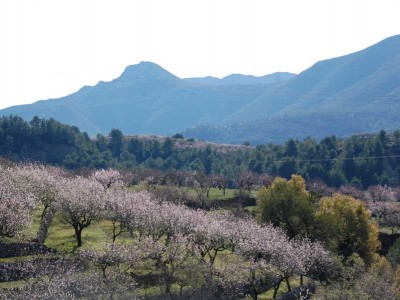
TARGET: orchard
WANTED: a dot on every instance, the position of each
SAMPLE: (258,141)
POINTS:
(156,246)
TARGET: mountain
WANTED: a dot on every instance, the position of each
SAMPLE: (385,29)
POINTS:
(355,93)
(145,99)
(239,79)
(359,82)
(146,72)
(280,129)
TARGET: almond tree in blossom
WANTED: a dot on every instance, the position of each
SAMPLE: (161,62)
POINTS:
(246,181)
(221,182)
(201,184)
(177,177)
(287,257)
(16,203)
(174,195)
(175,260)
(67,281)
(181,243)
(246,277)
(82,203)
(122,208)
(109,178)
(382,202)
(211,235)
(43,181)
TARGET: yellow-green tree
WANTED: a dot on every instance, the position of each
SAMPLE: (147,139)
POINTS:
(345,226)
(287,204)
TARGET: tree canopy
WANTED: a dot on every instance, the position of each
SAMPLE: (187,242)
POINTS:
(361,160)
(346,227)
(288,205)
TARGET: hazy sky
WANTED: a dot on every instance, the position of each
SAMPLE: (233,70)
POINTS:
(52,48)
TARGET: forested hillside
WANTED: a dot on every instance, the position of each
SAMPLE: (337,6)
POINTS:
(361,160)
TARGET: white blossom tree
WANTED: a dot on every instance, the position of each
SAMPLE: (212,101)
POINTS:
(44,182)
(82,203)
(16,203)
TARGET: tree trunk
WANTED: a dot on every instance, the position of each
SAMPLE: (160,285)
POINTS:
(78,234)
(180,290)
(168,288)
(254,290)
(288,284)
(168,282)
(44,212)
(45,225)
(277,288)
(115,233)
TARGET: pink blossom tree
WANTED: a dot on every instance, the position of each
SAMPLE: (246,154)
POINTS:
(82,203)
(110,178)
(201,184)
(44,182)
(16,203)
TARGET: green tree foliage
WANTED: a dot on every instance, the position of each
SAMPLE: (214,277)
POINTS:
(361,160)
(155,149)
(167,148)
(116,142)
(346,227)
(48,141)
(178,136)
(287,204)
(291,149)
(135,147)
(394,254)
(353,280)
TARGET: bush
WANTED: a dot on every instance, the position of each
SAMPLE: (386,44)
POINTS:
(178,136)
(394,254)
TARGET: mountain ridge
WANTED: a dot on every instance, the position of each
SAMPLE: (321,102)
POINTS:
(147,99)
(240,79)
(324,80)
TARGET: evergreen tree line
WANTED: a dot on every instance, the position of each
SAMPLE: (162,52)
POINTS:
(361,160)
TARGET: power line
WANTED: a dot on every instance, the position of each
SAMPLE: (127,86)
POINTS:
(338,158)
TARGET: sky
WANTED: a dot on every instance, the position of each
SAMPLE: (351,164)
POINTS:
(51,48)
